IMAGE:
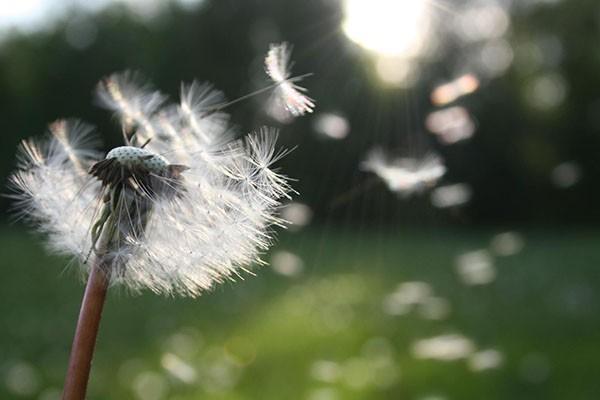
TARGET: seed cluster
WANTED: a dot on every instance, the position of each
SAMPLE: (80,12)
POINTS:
(130,156)
(149,224)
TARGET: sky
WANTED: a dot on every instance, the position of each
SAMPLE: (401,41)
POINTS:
(33,15)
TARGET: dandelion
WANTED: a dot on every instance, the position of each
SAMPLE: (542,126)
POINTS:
(288,99)
(177,209)
(405,176)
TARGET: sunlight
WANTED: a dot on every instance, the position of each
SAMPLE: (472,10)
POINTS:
(392,28)
(19,12)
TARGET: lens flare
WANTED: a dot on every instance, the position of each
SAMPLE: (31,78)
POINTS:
(387,27)
(395,31)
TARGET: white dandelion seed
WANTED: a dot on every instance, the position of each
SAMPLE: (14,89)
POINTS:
(449,196)
(179,208)
(448,347)
(405,176)
(288,100)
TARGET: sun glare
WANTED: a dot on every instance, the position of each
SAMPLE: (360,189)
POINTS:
(395,31)
(18,11)
(393,28)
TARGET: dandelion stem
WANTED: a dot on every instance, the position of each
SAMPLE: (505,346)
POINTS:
(84,341)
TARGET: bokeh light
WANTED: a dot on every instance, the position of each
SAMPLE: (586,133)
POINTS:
(388,27)
(396,32)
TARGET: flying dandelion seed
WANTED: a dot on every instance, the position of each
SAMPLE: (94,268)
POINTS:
(405,176)
(288,100)
(409,296)
(180,207)
(434,308)
(286,263)
(297,214)
(476,267)
(413,292)
(150,386)
(485,359)
(178,368)
(451,195)
(566,175)
(184,343)
(331,125)
(444,348)
(325,371)
(507,243)
(451,125)
(483,21)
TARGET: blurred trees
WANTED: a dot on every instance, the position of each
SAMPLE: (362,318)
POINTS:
(49,75)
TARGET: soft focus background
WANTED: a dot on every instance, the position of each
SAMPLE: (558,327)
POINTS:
(486,286)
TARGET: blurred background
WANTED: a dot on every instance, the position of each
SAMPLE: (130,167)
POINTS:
(481,283)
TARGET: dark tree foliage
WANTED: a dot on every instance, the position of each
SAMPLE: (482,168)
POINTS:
(508,161)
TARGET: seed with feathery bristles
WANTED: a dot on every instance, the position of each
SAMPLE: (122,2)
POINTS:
(181,207)
(405,176)
(288,98)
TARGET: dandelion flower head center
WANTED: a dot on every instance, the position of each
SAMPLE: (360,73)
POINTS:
(129,156)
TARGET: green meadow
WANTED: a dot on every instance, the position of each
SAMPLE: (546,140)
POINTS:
(325,331)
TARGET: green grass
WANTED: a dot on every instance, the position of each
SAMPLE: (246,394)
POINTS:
(262,338)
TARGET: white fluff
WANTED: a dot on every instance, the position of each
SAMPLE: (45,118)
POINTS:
(288,99)
(215,227)
(405,176)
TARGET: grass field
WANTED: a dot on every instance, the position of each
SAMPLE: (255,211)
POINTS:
(328,333)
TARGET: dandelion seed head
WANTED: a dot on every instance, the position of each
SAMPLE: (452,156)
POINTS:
(135,157)
(181,207)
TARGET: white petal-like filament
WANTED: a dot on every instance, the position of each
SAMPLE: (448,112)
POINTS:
(213,227)
(405,176)
(287,96)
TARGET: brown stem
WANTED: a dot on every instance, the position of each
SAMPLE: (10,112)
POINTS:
(84,342)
